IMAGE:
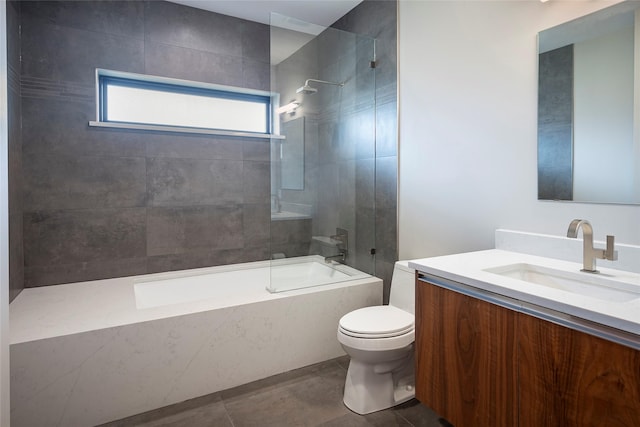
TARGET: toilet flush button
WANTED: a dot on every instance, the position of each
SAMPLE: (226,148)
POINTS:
(409,388)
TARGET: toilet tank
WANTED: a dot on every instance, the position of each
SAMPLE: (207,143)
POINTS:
(403,293)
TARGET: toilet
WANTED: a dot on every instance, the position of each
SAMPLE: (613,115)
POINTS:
(380,342)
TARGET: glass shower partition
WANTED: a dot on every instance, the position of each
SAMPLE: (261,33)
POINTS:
(323,169)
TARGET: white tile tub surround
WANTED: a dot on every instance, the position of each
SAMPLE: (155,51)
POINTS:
(565,248)
(82,354)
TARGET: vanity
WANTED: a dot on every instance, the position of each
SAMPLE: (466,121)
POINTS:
(507,338)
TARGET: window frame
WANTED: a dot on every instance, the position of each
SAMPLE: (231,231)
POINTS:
(164,84)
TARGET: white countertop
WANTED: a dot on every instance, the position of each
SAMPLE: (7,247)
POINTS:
(468,268)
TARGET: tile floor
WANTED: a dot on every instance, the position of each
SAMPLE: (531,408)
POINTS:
(310,396)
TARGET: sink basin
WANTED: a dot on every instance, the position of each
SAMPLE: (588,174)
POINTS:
(585,284)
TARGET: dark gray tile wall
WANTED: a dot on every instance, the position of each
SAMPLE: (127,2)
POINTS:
(378,19)
(291,237)
(351,133)
(16,249)
(104,203)
(339,136)
(205,199)
(555,124)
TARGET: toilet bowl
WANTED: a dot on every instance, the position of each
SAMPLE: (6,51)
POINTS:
(380,342)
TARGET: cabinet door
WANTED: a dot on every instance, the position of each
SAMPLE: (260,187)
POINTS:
(465,358)
(569,378)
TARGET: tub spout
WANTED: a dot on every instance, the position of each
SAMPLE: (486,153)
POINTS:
(342,237)
(341,257)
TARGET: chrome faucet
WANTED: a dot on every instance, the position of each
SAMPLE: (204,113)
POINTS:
(341,257)
(589,253)
(342,237)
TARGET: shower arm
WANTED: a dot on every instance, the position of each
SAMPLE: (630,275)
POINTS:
(306,83)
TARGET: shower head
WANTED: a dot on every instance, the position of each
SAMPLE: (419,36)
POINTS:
(308,90)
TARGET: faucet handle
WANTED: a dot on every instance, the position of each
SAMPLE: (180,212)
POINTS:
(610,253)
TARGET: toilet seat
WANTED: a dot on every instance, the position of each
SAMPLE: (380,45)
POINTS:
(377,322)
(377,344)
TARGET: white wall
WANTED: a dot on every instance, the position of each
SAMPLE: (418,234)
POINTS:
(603,118)
(467,122)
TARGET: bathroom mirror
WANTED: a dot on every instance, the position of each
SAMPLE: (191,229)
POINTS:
(292,155)
(589,106)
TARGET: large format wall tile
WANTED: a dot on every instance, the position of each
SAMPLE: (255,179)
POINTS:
(192,28)
(387,129)
(63,43)
(65,237)
(54,125)
(365,183)
(256,149)
(57,53)
(16,255)
(255,182)
(361,133)
(256,41)
(193,147)
(124,18)
(190,189)
(13,37)
(256,225)
(180,229)
(173,182)
(292,231)
(14,152)
(386,186)
(192,44)
(255,75)
(378,20)
(191,64)
(83,182)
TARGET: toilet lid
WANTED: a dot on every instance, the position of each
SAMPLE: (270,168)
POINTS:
(377,322)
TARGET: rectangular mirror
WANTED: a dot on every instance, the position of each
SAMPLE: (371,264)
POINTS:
(589,106)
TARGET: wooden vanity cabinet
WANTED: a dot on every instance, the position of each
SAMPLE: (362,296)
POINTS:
(479,364)
(465,352)
(570,378)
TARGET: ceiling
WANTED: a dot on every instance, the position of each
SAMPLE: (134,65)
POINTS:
(319,12)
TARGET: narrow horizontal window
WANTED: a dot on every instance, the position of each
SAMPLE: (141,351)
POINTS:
(133,99)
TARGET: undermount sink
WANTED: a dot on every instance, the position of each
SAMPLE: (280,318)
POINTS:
(585,284)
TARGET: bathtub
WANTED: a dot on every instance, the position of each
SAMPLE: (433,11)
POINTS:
(87,353)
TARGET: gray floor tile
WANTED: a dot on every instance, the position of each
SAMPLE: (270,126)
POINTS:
(306,401)
(309,396)
(417,414)
(213,415)
(387,418)
(350,420)
(280,380)
(208,405)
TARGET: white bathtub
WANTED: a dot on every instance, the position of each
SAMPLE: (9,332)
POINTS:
(279,276)
(87,353)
